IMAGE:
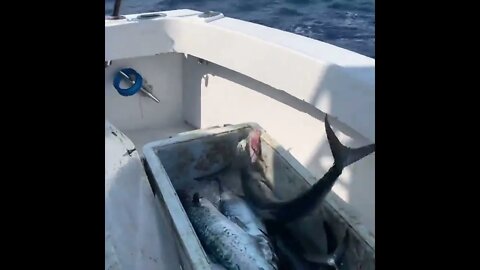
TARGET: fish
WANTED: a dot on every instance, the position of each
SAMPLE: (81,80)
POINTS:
(213,263)
(255,189)
(238,210)
(294,257)
(289,211)
(247,151)
(208,188)
(216,266)
(223,240)
(232,159)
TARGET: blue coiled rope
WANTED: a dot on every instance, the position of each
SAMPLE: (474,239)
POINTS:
(132,90)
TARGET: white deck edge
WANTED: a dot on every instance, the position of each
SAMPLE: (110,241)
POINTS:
(285,61)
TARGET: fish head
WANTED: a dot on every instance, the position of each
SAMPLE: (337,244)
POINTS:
(255,145)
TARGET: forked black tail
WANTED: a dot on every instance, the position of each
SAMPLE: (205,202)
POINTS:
(343,156)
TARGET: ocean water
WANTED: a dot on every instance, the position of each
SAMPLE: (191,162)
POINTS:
(348,24)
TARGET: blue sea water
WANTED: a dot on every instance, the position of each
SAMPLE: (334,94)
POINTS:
(349,24)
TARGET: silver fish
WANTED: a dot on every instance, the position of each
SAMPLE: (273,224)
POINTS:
(238,210)
(216,266)
(225,241)
(208,189)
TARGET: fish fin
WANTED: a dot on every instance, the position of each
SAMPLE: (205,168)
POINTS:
(240,224)
(265,239)
(269,242)
(286,212)
(342,154)
(330,237)
(267,249)
(334,259)
(342,247)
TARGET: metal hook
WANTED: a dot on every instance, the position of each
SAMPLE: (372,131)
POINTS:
(142,88)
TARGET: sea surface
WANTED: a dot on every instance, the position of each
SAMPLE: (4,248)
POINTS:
(349,24)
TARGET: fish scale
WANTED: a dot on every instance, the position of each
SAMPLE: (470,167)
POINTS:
(239,212)
(221,238)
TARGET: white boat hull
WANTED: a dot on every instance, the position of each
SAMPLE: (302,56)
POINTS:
(209,72)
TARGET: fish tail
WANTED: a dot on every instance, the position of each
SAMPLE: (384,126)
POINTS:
(268,247)
(342,154)
(305,203)
(332,242)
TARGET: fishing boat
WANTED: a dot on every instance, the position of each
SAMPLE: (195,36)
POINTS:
(169,73)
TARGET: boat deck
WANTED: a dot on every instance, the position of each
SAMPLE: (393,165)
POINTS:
(137,234)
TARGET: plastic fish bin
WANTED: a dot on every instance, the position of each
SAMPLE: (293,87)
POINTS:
(173,163)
